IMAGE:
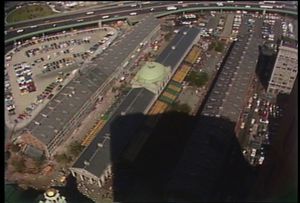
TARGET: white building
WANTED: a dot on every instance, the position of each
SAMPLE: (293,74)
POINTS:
(285,69)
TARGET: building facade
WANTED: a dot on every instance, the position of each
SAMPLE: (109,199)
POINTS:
(285,69)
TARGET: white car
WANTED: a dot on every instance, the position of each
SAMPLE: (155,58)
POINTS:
(19,31)
(133,14)
(105,17)
(171,8)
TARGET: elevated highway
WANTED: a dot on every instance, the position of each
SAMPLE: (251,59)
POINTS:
(63,21)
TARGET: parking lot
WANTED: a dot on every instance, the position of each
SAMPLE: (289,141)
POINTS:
(260,123)
(39,66)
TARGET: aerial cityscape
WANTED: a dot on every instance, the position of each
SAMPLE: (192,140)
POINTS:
(151,101)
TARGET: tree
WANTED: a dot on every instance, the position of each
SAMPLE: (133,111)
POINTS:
(212,45)
(184,108)
(18,165)
(63,158)
(15,148)
(39,162)
(197,79)
(75,148)
(219,46)
(168,36)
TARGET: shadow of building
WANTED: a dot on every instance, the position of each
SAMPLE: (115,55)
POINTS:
(278,176)
(185,158)
(265,64)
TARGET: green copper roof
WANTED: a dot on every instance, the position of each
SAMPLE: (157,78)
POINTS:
(151,72)
(151,76)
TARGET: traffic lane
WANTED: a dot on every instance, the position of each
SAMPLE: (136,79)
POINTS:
(26,31)
(118,8)
(12,34)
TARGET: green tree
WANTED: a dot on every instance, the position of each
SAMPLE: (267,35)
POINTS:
(168,36)
(39,162)
(75,148)
(15,148)
(63,158)
(197,79)
(219,46)
(184,108)
(18,165)
(212,45)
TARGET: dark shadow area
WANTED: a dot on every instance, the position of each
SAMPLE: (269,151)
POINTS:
(278,176)
(184,159)
(265,64)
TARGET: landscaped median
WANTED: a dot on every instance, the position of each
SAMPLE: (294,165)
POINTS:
(29,12)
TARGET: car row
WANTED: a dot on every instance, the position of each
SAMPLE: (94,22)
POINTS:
(24,78)
(268,29)
(9,100)
(236,24)
(48,67)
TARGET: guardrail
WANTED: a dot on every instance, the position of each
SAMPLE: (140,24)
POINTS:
(228,8)
(158,15)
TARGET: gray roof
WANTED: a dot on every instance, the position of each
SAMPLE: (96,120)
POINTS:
(229,92)
(33,152)
(182,42)
(116,132)
(62,108)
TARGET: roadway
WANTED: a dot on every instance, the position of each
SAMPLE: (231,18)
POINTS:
(118,11)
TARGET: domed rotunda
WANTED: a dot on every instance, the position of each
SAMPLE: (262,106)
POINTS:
(151,76)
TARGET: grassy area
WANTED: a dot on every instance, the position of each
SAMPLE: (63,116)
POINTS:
(29,12)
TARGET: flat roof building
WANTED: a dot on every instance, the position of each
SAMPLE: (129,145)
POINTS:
(285,69)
